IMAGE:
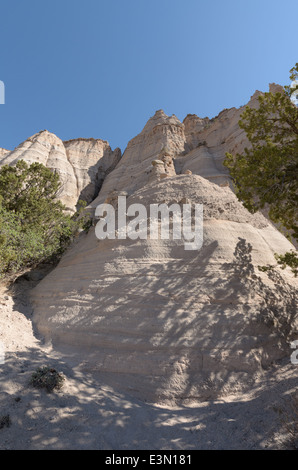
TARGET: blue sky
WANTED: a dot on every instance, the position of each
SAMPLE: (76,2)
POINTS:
(101,68)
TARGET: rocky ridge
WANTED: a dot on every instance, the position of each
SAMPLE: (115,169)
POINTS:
(81,163)
(148,316)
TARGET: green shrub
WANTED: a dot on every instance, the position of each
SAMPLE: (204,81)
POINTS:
(34,225)
(48,378)
(289,259)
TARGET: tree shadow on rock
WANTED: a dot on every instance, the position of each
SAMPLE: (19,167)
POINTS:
(278,308)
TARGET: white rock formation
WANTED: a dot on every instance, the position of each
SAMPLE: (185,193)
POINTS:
(46,148)
(81,163)
(208,140)
(91,160)
(133,170)
(147,315)
(198,145)
(165,323)
(3,152)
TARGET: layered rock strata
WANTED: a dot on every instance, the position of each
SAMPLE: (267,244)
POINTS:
(148,315)
(165,323)
(3,152)
(82,164)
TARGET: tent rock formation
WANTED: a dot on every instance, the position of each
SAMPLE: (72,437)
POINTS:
(147,315)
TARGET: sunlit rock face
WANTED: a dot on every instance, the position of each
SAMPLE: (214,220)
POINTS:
(81,164)
(148,315)
(197,145)
(3,152)
(166,323)
(86,166)
(162,136)
(91,160)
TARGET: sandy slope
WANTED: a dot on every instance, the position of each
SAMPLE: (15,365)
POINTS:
(161,322)
(88,414)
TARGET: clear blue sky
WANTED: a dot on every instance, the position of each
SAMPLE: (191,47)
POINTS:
(101,68)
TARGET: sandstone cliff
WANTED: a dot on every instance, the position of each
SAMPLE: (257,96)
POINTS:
(196,145)
(147,315)
(166,323)
(3,152)
(81,163)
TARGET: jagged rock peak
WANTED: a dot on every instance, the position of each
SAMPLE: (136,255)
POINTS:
(160,112)
(3,152)
(85,139)
(193,123)
(275,88)
(44,133)
(160,118)
(193,117)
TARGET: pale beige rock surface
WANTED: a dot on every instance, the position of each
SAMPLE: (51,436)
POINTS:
(208,140)
(165,323)
(81,163)
(46,148)
(196,144)
(91,160)
(84,165)
(3,152)
(202,335)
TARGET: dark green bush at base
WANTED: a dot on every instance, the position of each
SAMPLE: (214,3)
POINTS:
(48,378)
(34,225)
